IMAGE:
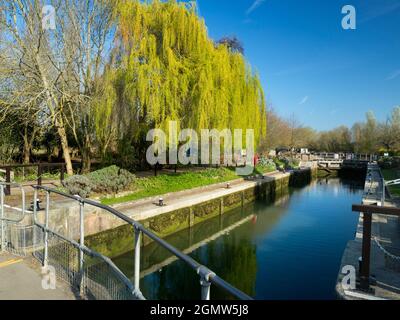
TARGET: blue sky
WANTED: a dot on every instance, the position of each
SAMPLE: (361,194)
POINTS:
(308,64)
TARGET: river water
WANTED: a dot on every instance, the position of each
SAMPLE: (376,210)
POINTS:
(288,249)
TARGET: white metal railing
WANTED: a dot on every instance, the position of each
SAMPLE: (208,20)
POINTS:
(81,272)
(5,220)
(388,183)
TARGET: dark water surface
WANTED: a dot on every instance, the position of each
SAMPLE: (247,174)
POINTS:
(290,249)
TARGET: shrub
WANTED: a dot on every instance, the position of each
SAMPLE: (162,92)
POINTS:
(389,162)
(78,185)
(265,165)
(287,163)
(110,180)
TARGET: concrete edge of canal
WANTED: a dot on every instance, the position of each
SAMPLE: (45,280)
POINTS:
(384,251)
(182,210)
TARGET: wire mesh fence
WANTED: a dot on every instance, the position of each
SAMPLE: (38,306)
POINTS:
(95,279)
(19,239)
(100,287)
(90,274)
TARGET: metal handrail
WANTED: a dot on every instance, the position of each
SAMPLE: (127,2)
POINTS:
(95,254)
(2,193)
(207,277)
(3,219)
(393,182)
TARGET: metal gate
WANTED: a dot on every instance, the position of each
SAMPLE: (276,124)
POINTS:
(16,231)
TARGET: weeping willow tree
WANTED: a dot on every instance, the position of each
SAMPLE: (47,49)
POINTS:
(165,68)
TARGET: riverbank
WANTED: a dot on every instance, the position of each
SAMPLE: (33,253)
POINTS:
(185,209)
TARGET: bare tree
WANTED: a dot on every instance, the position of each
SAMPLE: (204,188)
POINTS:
(53,69)
(294,125)
(233,43)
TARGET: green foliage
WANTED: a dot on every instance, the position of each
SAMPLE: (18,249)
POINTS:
(389,163)
(290,163)
(279,163)
(78,185)
(166,183)
(110,180)
(168,69)
(265,165)
(286,163)
(19,177)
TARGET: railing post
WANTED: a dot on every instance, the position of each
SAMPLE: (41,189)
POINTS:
(8,180)
(46,233)
(205,289)
(205,283)
(137,258)
(366,252)
(35,194)
(2,216)
(81,242)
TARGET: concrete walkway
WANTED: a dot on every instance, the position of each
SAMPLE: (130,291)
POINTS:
(20,279)
(385,238)
(148,207)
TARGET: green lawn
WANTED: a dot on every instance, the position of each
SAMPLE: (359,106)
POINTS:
(19,178)
(392,174)
(166,183)
(263,169)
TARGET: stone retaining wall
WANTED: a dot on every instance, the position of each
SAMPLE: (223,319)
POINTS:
(119,239)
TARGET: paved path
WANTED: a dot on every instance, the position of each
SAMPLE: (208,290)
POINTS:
(20,279)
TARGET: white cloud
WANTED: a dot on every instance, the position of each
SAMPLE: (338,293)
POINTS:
(254,6)
(304,100)
(393,75)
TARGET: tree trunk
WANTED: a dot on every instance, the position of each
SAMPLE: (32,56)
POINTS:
(64,145)
(86,161)
(85,150)
(27,148)
(26,152)
(54,109)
